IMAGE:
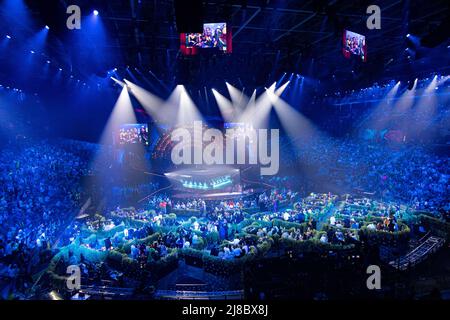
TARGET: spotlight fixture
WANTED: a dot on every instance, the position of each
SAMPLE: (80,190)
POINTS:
(47,27)
(32,51)
(8,36)
(95,12)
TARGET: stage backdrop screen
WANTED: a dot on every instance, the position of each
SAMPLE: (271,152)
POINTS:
(354,44)
(215,36)
(132,134)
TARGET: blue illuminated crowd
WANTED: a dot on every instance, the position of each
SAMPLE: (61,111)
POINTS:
(409,175)
(40,194)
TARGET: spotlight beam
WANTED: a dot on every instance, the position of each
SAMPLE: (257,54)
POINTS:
(383,111)
(121,83)
(225,106)
(122,113)
(187,110)
(281,89)
(258,115)
(238,97)
(406,101)
(158,109)
(296,125)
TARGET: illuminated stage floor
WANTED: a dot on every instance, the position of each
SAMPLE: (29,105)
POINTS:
(213,196)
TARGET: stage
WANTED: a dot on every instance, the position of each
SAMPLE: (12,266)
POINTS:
(214,196)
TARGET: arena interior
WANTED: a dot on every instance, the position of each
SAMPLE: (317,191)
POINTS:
(246,150)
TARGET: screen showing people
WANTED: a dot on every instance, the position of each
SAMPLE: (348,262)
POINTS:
(133,134)
(355,44)
(214,35)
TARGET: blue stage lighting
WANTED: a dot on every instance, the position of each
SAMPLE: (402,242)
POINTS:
(8,36)
(47,27)
(95,13)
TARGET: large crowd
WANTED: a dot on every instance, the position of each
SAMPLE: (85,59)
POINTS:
(40,194)
(411,175)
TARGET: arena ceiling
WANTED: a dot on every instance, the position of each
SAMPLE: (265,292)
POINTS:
(293,36)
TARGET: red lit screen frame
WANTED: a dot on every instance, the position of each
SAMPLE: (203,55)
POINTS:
(190,51)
